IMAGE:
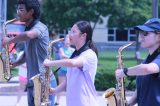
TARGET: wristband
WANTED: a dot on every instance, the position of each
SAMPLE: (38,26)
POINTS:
(125,71)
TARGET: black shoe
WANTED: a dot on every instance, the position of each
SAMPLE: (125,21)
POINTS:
(56,103)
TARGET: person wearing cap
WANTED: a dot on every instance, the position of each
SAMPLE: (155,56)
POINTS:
(147,91)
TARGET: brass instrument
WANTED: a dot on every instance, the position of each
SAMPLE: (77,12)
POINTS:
(5,71)
(116,97)
(41,86)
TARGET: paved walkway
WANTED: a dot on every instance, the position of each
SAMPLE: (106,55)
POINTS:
(9,91)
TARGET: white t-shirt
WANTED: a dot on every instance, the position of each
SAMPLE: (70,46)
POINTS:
(80,81)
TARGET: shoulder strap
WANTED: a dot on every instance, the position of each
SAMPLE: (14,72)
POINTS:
(31,25)
(150,58)
(78,52)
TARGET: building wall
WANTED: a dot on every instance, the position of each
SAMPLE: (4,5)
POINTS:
(101,31)
(100,35)
(103,34)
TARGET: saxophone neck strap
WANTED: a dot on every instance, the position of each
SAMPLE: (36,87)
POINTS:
(31,25)
(78,52)
(151,57)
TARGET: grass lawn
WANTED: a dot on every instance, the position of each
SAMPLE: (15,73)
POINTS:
(107,64)
(107,61)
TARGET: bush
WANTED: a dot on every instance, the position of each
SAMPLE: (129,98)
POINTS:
(106,79)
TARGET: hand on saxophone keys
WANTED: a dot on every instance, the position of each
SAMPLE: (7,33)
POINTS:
(52,90)
(119,74)
(13,64)
(47,62)
(6,40)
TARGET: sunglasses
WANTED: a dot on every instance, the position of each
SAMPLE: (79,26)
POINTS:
(143,33)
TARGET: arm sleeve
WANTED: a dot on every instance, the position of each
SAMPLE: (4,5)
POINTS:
(89,61)
(41,29)
(157,61)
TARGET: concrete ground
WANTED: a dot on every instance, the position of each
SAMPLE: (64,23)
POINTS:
(9,91)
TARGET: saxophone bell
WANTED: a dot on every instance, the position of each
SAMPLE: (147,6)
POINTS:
(109,92)
(110,97)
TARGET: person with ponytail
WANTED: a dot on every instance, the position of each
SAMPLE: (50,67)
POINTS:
(82,66)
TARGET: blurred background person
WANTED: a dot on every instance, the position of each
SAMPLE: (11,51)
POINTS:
(64,53)
(22,75)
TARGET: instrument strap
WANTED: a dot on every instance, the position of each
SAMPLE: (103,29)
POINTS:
(13,47)
(31,25)
(150,58)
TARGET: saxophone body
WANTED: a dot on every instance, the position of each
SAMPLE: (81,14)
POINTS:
(42,82)
(116,96)
(5,69)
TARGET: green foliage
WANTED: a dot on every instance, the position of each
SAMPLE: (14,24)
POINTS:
(11,9)
(105,77)
(128,13)
(14,72)
(61,14)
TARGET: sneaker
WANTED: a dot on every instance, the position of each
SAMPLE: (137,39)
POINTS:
(17,104)
(56,103)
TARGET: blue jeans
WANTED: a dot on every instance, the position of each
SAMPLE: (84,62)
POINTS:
(53,85)
(30,96)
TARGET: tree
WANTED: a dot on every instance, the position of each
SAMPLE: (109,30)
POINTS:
(128,13)
(11,9)
(61,14)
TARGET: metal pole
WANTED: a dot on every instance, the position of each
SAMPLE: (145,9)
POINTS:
(1,15)
(5,9)
(3,12)
(154,8)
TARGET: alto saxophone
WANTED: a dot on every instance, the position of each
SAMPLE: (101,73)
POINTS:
(116,97)
(41,86)
(5,69)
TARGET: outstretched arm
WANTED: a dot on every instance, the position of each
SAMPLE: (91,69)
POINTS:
(24,36)
(142,69)
(76,62)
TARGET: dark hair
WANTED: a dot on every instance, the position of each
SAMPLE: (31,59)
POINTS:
(31,4)
(85,27)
